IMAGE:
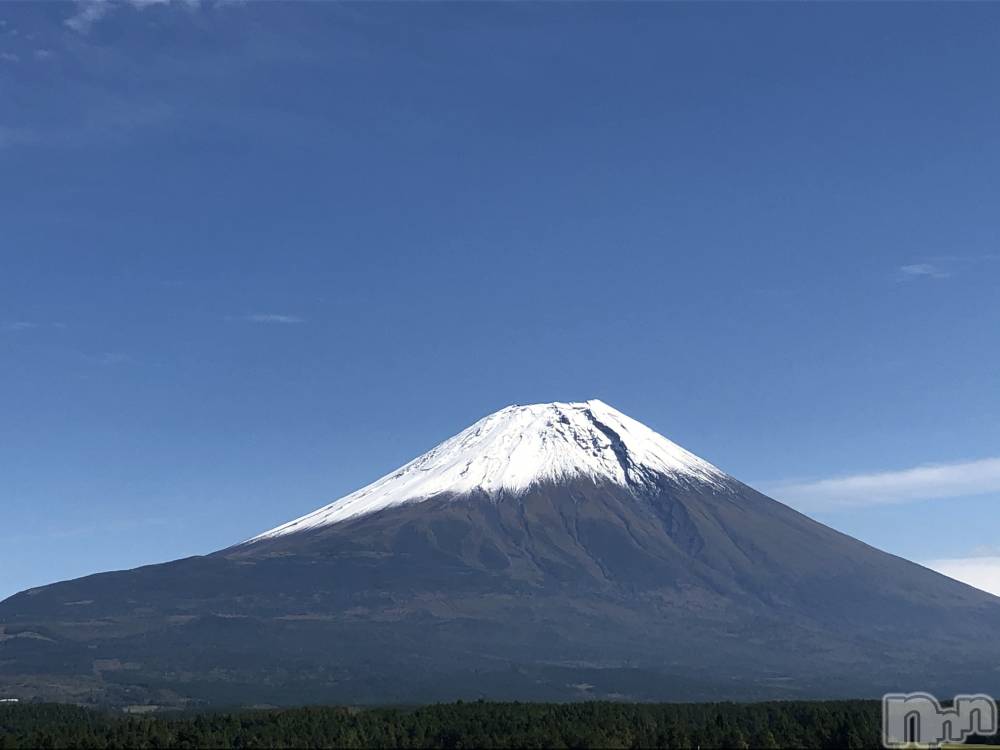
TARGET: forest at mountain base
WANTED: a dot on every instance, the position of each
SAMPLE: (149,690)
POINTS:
(819,724)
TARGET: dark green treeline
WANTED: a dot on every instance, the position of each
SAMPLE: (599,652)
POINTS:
(833,724)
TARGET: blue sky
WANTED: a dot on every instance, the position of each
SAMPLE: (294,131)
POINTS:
(254,255)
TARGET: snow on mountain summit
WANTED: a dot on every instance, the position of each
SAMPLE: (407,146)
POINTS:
(517,447)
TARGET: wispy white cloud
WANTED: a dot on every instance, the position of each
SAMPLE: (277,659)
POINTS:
(28,325)
(10,57)
(943,266)
(88,12)
(981,572)
(109,359)
(923,271)
(892,487)
(18,325)
(272,318)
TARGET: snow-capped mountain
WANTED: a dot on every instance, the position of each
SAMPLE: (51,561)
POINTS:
(518,447)
(554,551)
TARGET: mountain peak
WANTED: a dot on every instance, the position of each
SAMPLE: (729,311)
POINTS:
(517,447)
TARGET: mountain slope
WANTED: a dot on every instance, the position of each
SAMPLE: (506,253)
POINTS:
(555,551)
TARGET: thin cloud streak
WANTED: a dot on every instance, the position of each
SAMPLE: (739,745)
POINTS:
(980,572)
(273,318)
(892,487)
(110,359)
(16,326)
(942,266)
(923,270)
(19,325)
